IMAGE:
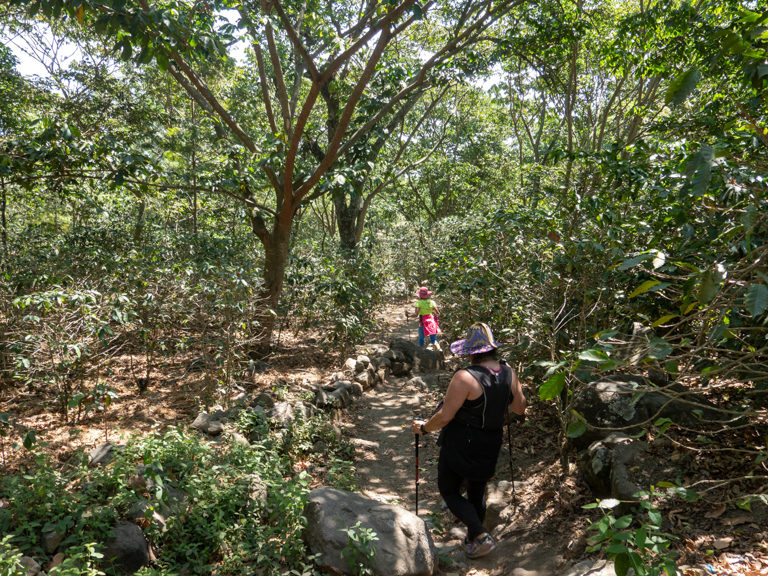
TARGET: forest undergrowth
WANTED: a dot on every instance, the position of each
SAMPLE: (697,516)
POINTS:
(714,527)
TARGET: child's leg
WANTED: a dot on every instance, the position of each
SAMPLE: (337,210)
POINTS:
(433,338)
(421,335)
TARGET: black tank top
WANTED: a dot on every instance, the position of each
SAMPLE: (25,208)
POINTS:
(488,411)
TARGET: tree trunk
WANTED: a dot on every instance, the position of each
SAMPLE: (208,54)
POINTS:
(347,216)
(3,221)
(276,249)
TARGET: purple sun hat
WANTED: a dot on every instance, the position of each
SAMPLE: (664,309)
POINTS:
(424,293)
(478,339)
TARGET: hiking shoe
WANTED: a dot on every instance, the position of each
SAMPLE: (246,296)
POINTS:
(480,546)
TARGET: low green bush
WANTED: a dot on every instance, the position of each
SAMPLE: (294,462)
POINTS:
(216,522)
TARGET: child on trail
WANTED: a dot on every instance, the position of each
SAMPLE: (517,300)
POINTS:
(471,418)
(426,310)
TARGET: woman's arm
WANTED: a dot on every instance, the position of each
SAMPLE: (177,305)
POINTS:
(519,401)
(458,391)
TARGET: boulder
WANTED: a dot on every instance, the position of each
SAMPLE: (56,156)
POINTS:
(211,424)
(142,512)
(400,368)
(52,539)
(623,400)
(350,366)
(263,400)
(102,454)
(404,546)
(421,359)
(283,413)
(31,566)
(128,551)
(364,379)
(258,491)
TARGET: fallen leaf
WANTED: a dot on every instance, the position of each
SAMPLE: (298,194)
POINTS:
(736,520)
(723,543)
(716,512)
(676,517)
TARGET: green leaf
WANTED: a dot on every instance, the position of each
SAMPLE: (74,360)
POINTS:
(685,493)
(682,87)
(623,522)
(644,287)
(708,287)
(756,299)
(576,429)
(663,320)
(655,517)
(699,169)
(162,59)
(29,439)
(621,564)
(552,387)
(663,424)
(594,355)
(634,261)
(659,348)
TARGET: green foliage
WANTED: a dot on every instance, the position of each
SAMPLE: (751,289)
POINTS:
(215,514)
(80,561)
(634,541)
(340,291)
(360,550)
(9,427)
(10,558)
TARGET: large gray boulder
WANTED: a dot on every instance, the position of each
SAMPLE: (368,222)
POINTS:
(624,401)
(128,551)
(619,467)
(404,546)
(421,359)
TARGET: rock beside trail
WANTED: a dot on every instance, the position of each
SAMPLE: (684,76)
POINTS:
(613,463)
(627,401)
(404,546)
(128,551)
(410,354)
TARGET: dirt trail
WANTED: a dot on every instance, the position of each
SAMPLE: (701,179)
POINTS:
(530,544)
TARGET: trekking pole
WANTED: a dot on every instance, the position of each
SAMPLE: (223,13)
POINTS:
(408,323)
(416,436)
(511,468)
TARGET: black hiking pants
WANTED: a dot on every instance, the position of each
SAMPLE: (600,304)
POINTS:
(470,510)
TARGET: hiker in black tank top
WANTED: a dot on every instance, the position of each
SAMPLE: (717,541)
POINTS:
(471,419)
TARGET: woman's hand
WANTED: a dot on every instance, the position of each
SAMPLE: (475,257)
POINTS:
(416,426)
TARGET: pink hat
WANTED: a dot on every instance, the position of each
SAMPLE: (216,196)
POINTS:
(479,339)
(424,292)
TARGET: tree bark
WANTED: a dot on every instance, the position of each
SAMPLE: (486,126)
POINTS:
(3,221)
(276,249)
(347,215)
